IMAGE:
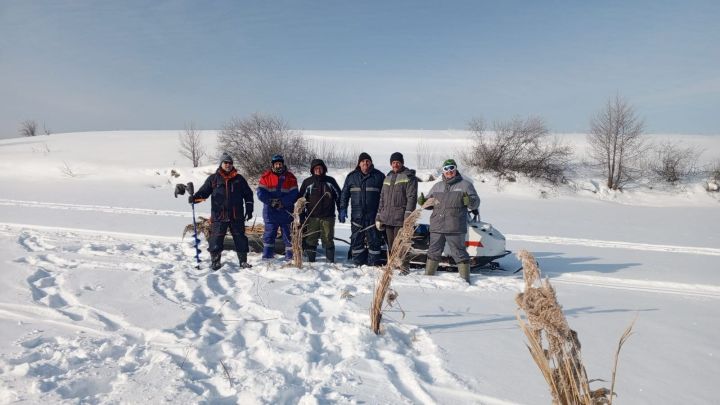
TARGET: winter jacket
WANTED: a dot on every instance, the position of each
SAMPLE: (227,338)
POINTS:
(362,191)
(449,213)
(319,204)
(231,195)
(398,197)
(282,186)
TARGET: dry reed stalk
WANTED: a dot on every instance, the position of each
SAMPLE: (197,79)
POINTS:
(400,248)
(555,347)
(296,233)
(625,336)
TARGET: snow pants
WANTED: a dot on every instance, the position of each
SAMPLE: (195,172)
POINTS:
(217,236)
(269,237)
(320,228)
(365,244)
(456,243)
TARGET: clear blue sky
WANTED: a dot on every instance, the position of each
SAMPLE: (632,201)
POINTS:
(107,65)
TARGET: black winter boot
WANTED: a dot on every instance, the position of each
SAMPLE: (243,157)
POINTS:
(215,261)
(330,254)
(242,258)
(311,255)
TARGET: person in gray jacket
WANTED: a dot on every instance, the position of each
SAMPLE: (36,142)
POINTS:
(454,196)
(397,200)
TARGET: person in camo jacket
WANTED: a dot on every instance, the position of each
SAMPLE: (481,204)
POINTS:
(322,195)
(454,196)
(398,199)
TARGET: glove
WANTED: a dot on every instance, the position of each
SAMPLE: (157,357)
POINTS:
(342,215)
(422,199)
(276,203)
(248,215)
(475,214)
(191,199)
(379,225)
(466,200)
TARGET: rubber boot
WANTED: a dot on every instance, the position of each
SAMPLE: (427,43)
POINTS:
(431,267)
(330,255)
(215,261)
(268,252)
(464,271)
(311,255)
(242,259)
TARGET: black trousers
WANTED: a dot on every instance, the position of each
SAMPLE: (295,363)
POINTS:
(237,230)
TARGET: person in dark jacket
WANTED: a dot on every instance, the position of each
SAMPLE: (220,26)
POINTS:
(454,196)
(322,195)
(231,205)
(398,199)
(278,191)
(362,191)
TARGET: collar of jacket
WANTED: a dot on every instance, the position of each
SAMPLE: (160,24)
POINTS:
(227,175)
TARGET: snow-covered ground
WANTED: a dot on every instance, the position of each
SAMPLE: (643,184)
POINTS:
(100,301)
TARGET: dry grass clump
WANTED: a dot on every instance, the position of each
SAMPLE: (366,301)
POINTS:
(296,232)
(400,248)
(555,347)
(203,226)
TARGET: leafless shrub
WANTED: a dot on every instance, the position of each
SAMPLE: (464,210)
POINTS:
(400,248)
(616,142)
(190,144)
(46,130)
(254,140)
(673,163)
(555,347)
(28,128)
(426,158)
(518,146)
(334,156)
(714,171)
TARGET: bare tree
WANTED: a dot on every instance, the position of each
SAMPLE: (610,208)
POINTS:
(254,140)
(519,146)
(673,163)
(616,142)
(46,130)
(28,128)
(190,144)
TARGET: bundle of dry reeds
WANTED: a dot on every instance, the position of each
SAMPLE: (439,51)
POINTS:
(296,234)
(555,347)
(203,226)
(400,248)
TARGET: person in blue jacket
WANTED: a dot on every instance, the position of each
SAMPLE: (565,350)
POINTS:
(362,191)
(278,191)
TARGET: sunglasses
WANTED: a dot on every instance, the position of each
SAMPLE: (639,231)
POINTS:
(449,168)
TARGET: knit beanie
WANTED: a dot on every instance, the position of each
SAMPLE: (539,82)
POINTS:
(397,156)
(277,158)
(225,158)
(449,162)
(364,156)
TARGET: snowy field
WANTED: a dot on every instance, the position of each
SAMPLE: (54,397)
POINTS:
(100,301)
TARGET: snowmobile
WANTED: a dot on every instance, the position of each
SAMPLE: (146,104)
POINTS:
(483,242)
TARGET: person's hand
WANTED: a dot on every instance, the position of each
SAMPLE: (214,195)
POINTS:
(248,215)
(342,215)
(422,199)
(466,200)
(379,225)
